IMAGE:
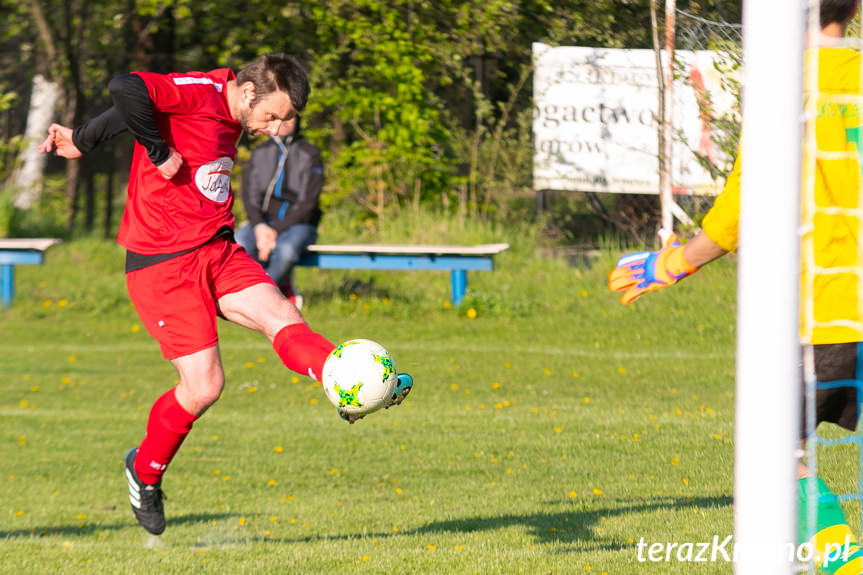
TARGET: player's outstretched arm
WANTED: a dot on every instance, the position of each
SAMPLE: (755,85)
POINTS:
(640,272)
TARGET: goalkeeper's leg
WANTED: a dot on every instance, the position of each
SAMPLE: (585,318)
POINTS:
(837,550)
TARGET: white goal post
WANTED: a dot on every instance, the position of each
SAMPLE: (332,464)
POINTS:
(768,402)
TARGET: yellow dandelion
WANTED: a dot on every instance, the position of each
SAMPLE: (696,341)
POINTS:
(586,400)
(430,547)
(507,364)
(365,558)
(573,494)
(471,313)
(242,520)
(252,389)
(295,379)
(226,478)
(334,471)
(24,403)
(80,516)
(313,401)
(288,498)
(274,518)
(583,293)
(19,513)
(62,303)
(271,482)
(597,491)
(621,370)
(214,437)
(47,303)
(352,296)
(447,305)
(574,374)
(495,385)
(675,461)
(453,386)
(399,490)
(249,364)
(546,371)
(71,359)
(558,430)
(395,528)
(261,360)
(686,481)
(459,547)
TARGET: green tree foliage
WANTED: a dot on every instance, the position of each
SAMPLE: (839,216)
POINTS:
(414,102)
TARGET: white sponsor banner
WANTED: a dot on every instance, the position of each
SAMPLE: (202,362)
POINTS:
(595,121)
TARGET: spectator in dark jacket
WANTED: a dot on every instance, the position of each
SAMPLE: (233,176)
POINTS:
(282,183)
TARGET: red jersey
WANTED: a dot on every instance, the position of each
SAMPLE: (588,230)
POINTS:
(192,114)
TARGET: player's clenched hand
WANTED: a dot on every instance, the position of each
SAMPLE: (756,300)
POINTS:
(640,272)
(59,140)
(171,166)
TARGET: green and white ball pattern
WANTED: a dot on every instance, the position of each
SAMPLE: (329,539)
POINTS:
(359,376)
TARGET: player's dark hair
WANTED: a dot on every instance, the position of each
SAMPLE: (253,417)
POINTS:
(277,72)
(837,11)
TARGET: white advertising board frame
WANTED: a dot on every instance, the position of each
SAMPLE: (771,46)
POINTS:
(595,120)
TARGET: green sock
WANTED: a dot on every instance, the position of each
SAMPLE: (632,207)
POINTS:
(828,510)
(837,551)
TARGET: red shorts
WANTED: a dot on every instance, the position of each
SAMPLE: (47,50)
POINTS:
(177,299)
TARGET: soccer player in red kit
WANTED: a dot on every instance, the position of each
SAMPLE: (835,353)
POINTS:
(183,268)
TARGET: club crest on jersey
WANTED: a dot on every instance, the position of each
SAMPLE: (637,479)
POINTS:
(214,179)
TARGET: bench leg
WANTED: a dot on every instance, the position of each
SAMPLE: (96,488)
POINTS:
(459,285)
(7,284)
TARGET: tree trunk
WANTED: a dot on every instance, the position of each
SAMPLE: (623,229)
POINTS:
(28,179)
(89,198)
(109,195)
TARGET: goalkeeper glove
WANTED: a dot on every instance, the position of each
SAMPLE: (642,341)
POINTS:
(640,272)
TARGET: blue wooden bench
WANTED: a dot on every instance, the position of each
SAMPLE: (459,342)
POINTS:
(17,251)
(456,259)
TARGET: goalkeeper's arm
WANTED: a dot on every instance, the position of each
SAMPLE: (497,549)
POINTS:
(638,273)
(701,250)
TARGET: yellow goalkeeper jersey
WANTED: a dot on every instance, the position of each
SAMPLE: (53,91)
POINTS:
(832,263)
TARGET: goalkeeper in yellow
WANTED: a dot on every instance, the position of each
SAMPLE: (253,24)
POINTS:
(831,300)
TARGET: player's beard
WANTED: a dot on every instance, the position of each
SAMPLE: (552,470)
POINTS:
(243,118)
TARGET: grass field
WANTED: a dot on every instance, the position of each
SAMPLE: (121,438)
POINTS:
(549,434)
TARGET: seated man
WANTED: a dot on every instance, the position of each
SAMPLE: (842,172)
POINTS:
(281,186)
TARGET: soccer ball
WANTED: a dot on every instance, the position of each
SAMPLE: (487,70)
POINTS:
(359,377)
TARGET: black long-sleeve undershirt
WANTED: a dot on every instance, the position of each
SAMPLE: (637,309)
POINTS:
(132,100)
(133,111)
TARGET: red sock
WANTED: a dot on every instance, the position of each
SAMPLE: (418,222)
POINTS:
(168,426)
(302,350)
